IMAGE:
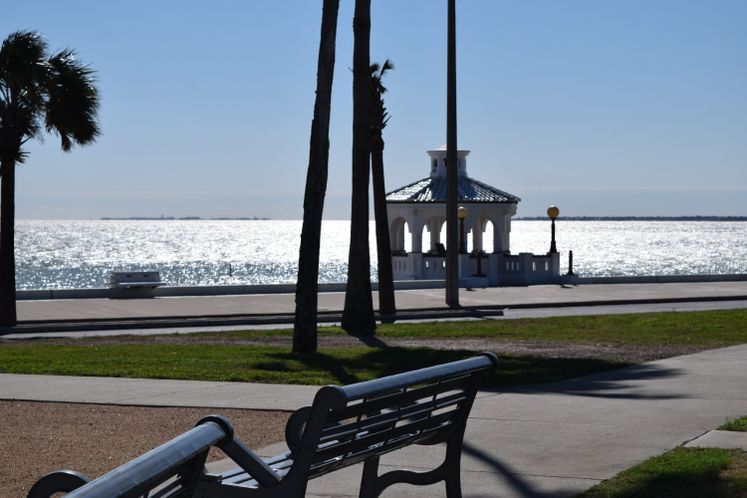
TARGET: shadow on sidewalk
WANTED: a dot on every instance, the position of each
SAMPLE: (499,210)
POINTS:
(622,383)
(511,477)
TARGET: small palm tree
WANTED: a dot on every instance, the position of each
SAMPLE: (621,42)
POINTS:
(55,93)
(379,119)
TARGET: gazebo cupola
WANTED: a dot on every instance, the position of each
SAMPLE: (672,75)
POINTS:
(438,162)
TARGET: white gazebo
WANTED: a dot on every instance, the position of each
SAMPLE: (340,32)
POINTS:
(421,207)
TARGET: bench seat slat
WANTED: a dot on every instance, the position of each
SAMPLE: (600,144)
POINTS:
(173,489)
(241,477)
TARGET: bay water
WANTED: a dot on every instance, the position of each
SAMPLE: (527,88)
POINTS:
(76,254)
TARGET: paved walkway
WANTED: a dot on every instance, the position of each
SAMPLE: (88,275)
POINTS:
(543,441)
(279,305)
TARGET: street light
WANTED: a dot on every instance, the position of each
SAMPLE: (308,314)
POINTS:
(461,214)
(553,213)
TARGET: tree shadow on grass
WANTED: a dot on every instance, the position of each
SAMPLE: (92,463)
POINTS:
(380,361)
(371,341)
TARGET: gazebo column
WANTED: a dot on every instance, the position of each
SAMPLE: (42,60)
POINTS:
(397,235)
(477,233)
(416,231)
(434,227)
(501,231)
(415,258)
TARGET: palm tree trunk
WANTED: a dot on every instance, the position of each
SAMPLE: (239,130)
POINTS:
(358,316)
(452,195)
(8,316)
(383,247)
(305,327)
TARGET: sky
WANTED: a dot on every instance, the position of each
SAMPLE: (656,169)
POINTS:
(600,107)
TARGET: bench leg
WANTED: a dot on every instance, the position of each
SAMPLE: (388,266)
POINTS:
(452,469)
(372,484)
(370,478)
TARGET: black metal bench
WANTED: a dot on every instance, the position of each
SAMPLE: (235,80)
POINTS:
(345,425)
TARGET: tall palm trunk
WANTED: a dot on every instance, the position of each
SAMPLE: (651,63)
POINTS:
(383,247)
(358,316)
(8,316)
(452,194)
(304,327)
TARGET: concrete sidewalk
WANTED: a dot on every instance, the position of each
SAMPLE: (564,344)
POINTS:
(542,441)
(423,299)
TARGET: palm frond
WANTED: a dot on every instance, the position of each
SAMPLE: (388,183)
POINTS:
(23,68)
(380,116)
(23,74)
(72,101)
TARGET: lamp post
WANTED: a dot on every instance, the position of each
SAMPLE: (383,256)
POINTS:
(553,213)
(462,214)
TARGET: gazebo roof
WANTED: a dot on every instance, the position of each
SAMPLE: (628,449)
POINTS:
(433,189)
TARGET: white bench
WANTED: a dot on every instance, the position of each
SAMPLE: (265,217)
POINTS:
(130,282)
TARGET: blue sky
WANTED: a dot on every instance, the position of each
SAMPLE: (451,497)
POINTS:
(601,107)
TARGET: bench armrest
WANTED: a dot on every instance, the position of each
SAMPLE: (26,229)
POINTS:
(141,474)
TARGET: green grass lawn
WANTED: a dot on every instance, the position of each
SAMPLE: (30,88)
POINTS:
(703,328)
(681,473)
(223,362)
(214,357)
(739,425)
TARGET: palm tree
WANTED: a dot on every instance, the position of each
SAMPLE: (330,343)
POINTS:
(357,316)
(379,119)
(56,93)
(452,194)
(304,327)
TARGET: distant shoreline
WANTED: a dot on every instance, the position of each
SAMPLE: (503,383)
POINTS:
(181,218)
(518,218)
(636,218)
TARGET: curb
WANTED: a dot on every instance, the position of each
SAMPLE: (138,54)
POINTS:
(39,327)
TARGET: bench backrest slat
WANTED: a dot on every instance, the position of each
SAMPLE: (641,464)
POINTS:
(381,421)
(380,441)
(400,397)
